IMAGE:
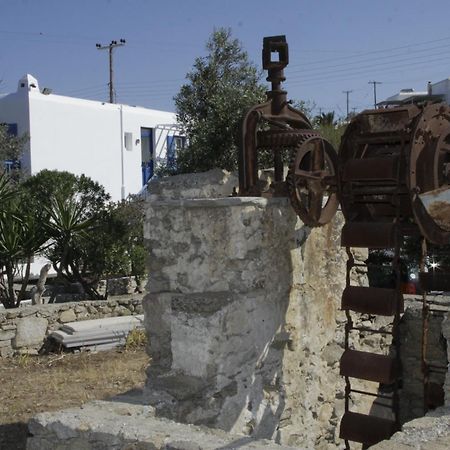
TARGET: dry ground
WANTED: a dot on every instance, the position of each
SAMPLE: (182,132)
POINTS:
(29,385)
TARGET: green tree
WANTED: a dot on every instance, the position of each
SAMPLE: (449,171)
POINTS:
(325,119)
(10,150)
(127,254)
(221,87)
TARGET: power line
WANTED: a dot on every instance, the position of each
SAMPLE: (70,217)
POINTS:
(110,47)
(376,64)
(389,59)
(375,92)
(359,54)
(368,71)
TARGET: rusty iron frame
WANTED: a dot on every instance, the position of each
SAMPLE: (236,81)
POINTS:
(287,128)
(277,112)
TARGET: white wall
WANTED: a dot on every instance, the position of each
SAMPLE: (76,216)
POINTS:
(442,88)
(84,137)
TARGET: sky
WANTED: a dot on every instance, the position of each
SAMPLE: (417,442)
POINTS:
(334,46)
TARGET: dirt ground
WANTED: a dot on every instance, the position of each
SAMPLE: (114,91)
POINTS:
(29,385)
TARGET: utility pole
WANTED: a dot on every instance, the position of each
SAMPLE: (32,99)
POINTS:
(375,92)
(347,94)
(110,47)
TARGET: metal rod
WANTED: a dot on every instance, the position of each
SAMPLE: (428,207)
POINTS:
(372,394)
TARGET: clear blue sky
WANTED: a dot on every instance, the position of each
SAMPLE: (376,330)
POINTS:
(334,45)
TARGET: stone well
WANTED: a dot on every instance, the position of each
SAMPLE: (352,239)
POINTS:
(242,315)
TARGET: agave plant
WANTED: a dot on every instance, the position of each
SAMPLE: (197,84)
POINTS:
(22,235)
(69,230)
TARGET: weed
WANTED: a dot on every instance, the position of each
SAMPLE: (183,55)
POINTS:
(136,338)
(23,360)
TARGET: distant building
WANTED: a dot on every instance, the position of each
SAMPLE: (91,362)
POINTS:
(442,88)
(116,145)
(435,92)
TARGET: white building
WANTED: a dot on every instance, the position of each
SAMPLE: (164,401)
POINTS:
(439,91)
(115,145)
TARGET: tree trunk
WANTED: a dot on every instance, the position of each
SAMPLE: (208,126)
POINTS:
(11,294)
(25,279)
(38,290)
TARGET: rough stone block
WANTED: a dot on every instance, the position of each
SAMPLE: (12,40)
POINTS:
(6,352)
(238,316)
(30,332)
(67,316)
(212,184)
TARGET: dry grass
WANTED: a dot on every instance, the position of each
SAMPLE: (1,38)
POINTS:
(35,384)
(136,339)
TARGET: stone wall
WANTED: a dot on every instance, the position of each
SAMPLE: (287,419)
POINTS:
(243,315)
(23,330)
(412,393)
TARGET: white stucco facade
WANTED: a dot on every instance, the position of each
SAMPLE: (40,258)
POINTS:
(101,140)
(442,88)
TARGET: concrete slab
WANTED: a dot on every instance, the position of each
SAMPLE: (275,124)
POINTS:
(109,322)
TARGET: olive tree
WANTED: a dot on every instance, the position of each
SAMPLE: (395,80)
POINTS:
(220,87)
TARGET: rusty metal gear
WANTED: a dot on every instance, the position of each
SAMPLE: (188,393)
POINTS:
(278,139)
(311,180)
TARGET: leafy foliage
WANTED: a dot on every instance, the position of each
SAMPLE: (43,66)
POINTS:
(10,149)
(221,87)
(71,220)
(332,133)
(127,218)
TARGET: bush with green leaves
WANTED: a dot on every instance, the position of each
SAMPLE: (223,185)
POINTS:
(70,220)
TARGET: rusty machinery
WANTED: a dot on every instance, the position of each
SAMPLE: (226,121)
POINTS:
(391,177)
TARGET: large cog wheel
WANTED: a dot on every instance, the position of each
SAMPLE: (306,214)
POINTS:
(310,180)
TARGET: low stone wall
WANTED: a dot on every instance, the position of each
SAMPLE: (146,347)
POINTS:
(24,330)
(126,426)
